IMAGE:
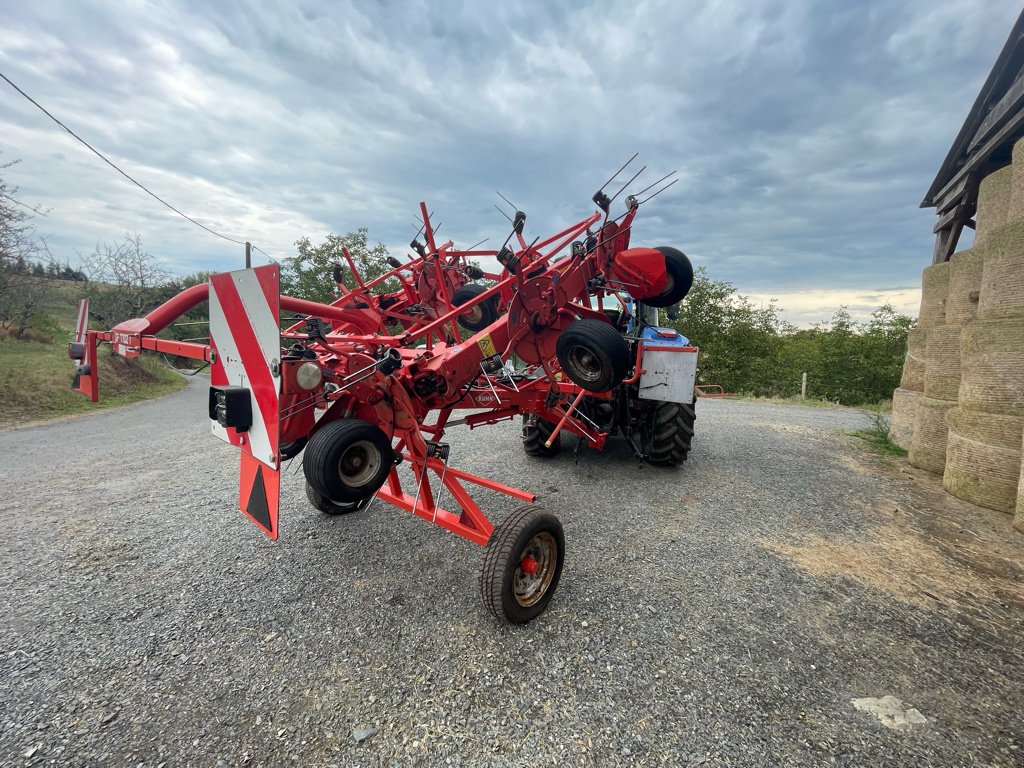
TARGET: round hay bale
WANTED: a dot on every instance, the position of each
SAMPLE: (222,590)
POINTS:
(965,269)
(914,364)
(1002,277)
(942,368)
(1018,520)
(904,416)
(1019,517)
(1017,183)
(992,367)
(993,203)
(983,458)
(928,445)
(934,286)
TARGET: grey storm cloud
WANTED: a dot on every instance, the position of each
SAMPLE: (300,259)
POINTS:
(804,133)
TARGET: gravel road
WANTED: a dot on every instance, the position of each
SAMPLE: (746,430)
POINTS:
(725,613)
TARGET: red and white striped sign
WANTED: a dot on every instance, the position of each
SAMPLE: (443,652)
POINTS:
(246,336)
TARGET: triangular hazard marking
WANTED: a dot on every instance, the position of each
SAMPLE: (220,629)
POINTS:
(257,507)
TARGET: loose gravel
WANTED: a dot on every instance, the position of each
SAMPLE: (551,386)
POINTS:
(724,613)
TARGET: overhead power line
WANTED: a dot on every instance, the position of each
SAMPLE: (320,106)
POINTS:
(141,186)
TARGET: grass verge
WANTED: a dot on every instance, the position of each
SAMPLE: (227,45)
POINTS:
(877,437)
(35,381)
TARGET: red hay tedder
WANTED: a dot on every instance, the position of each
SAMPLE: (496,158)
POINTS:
(372,379)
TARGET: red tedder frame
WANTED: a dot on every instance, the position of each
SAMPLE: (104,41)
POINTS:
(390,352)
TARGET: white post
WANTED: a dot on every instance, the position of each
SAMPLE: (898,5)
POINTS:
(803,386)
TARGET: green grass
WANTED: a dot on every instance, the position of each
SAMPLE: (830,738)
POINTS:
(877,437)
(35,372)
(35,381)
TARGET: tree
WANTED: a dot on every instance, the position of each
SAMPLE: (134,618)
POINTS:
(128,280)
(22,293)
(310,275)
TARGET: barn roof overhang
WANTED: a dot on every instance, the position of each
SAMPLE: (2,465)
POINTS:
(983,145)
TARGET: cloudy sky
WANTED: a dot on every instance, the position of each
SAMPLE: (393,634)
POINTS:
(805,133)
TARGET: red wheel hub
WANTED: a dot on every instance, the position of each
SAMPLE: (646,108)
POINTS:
(529,566)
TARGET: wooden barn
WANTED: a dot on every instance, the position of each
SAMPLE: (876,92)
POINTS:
(959,409)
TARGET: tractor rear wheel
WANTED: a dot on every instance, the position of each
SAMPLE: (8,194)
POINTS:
(593,354)
(680,278)
(670,434)
(479,317)
(347,460)
(329,507)
(534,438)
(522,565)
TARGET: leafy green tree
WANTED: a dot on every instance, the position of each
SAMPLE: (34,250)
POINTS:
(310,275)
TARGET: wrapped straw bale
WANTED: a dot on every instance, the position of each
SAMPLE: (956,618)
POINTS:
(992,367)
(1018,520)
(993,203)
(965,270)
(942,368)
(913,365)
(934,286)
(1016,183)
(1002,277)
(904,416)
(928,445)
(983,456)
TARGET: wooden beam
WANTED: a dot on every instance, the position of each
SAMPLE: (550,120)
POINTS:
(962,212)
(945,202)
(1013,125)
(1011,102)
(946,242)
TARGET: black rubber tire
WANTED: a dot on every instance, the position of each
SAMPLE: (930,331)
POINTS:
(329,507)
(535,437)
(593,354)
(293,449)
(670,434)
(366,451)
(480,316)
(504,557)
(680,278)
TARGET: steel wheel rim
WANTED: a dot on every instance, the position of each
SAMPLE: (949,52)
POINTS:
(529,588)
(585,363)
(474,314)
(359,463)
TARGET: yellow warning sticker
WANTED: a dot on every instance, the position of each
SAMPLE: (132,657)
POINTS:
(487,348)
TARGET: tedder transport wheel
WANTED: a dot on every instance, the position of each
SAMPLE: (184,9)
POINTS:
(329,507)
(680,278)
(534,438)
(671,433)
(480,316)
(593,354)
(522,565)
(347,460)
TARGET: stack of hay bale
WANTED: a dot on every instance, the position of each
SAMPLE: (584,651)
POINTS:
(941,371)
(986,428)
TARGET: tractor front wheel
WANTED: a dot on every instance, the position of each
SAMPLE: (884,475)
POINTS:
(522,565)
(347,460)
(534,438)
(593,354)
(671,433)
